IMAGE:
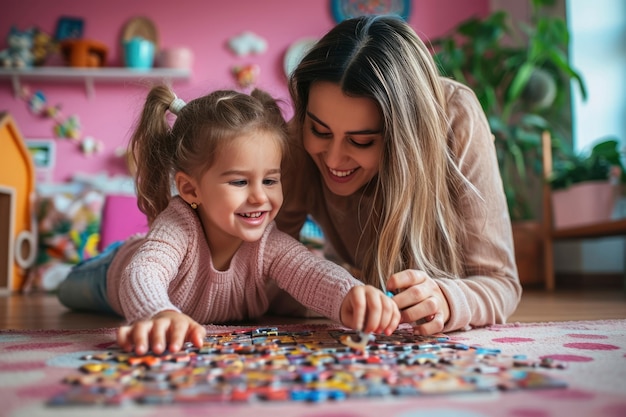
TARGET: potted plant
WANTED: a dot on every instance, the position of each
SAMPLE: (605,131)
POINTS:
(585,185)
(523,84)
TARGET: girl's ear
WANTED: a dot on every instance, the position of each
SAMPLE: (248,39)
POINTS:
(186,186)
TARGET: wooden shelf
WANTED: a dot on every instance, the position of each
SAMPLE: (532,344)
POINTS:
(597,230)
(90,75)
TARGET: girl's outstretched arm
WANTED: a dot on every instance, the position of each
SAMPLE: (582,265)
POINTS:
(368,309)
(165,330)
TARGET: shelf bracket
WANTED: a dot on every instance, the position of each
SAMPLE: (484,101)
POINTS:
(89,87)
(17,88)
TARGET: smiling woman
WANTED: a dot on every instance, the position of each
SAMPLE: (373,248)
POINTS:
(397,165)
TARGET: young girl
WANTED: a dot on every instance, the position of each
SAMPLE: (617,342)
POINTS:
(398,167)
(213,253)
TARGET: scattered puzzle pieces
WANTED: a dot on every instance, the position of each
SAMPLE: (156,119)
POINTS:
(266,364)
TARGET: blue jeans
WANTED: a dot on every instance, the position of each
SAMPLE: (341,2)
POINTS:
(85,287)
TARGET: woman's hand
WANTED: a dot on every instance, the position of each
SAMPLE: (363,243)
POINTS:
(368,309)
(420,300)
(165,330)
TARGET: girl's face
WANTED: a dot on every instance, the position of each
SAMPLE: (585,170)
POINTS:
(344,137)
(241,193)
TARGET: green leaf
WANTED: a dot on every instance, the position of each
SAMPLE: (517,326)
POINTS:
(520,81)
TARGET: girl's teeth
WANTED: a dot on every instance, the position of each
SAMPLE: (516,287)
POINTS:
(255,215)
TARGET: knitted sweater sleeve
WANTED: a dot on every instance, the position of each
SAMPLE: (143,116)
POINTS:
(316,283)
(146,277)
(490,290)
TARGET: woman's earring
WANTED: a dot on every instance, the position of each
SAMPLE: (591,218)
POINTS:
(194,206)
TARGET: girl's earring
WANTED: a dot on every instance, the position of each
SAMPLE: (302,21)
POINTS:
(194,206)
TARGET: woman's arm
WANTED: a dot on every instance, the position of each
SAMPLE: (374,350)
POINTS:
(490,290)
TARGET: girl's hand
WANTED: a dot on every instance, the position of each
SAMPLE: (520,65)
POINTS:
(420,300)
(166,330)
(368,309)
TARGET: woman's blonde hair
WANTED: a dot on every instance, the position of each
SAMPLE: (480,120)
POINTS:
(415,221)
(192,143)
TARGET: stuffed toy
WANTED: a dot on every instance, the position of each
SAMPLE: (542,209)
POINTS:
(43,46)
(18,54)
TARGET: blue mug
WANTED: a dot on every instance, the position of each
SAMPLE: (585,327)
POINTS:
(139,53)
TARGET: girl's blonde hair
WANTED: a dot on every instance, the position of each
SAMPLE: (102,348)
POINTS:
(192,143)
(415,222)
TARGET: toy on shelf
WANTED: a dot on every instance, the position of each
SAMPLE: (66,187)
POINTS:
(18,54)
(84,53)
(43,46)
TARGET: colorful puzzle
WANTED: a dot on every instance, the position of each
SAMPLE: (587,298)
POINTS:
(268,364)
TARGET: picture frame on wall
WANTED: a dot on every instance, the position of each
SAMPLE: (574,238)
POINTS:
(346,9)
(44,155)
(69,28)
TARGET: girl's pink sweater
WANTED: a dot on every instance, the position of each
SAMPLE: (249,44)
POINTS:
(170,269)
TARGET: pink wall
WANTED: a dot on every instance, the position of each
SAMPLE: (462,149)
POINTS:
(205,27)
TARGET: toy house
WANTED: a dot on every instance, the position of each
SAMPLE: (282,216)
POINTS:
(18,241)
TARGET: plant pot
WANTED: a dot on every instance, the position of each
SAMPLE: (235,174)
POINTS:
(584,203)
(528,241)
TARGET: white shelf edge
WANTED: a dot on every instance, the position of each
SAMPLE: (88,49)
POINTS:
(89,75)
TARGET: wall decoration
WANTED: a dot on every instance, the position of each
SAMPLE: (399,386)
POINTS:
(247,43)
(67,128)
(42,151)
(246,75)
(69,28)
(91,146)
(44,157)
(64,127)
(296,52)
(346,9)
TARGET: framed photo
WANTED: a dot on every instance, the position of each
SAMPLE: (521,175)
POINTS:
(43,153)
(69,28)
(346,9)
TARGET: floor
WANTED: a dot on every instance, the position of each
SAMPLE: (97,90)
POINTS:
(43,311)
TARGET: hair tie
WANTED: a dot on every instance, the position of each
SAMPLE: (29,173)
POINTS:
(177,105)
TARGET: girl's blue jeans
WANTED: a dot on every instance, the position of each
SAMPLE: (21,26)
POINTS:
(85,287)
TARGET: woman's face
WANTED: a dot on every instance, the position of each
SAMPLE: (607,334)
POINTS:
(344,137)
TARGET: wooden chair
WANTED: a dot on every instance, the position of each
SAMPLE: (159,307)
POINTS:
(590,231)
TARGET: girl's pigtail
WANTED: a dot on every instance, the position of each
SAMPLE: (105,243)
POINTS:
(152,147)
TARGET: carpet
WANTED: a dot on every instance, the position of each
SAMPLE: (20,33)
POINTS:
(34,364)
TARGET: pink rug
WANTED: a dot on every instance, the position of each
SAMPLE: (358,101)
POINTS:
(33,365)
